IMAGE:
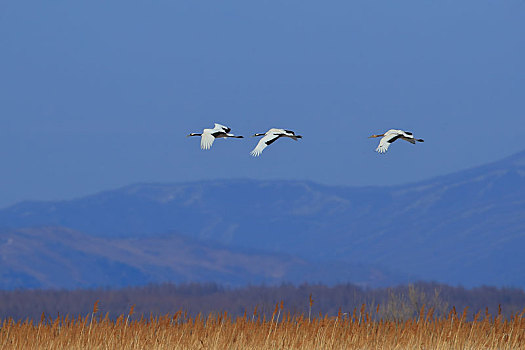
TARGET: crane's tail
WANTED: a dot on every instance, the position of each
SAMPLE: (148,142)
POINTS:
(420,140)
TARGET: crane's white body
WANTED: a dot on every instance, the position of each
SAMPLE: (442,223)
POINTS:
(392,135)
(209,135)
(270,137)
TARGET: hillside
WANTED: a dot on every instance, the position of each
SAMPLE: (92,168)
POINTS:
(465,228)
(53,257)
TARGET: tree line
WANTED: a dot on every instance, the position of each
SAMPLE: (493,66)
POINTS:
(399,302)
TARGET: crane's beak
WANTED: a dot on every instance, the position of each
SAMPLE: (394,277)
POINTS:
(375,136)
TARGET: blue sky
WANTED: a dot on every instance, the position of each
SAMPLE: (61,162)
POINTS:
(96,95)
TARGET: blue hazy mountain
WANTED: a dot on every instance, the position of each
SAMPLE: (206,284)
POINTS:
(465,228)
(54,257)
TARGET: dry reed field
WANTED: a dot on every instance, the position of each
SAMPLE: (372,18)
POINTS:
(360,330)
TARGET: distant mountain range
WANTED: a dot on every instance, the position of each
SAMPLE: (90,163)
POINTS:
(53,257)
(466,228)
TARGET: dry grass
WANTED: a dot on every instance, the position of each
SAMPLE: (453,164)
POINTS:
(361,330)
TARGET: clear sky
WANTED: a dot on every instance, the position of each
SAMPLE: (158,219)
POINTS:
(100,94)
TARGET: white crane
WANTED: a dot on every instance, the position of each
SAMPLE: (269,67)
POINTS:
(392,135)
(270,137)
(209,135)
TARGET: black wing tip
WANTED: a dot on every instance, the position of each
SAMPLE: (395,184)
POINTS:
(393,139)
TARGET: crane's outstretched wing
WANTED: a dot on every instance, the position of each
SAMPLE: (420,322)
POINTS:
(220,127)
(207,140)
(383,145)
(263,143)
(386,140)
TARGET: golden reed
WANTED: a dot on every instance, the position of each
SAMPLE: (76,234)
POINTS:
(362,329)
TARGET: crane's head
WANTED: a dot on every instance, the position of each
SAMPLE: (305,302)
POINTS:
(193,134)
(255,135)
(375,136)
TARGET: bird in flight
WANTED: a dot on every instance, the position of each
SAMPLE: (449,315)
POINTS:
(392,135)
(270,137)
(209,135)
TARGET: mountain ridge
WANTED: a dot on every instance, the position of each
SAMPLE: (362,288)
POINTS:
(518,158)
(56,257)
(463,228)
